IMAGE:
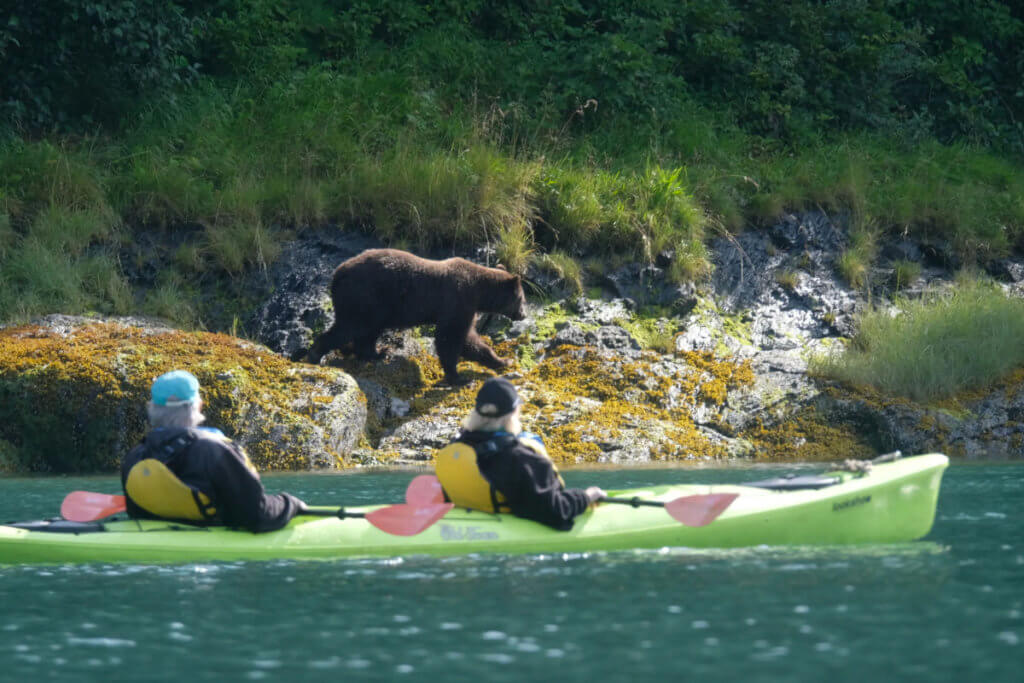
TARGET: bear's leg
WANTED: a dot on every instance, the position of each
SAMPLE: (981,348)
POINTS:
(476,349)
(449,338)
(334,337)
(366,346)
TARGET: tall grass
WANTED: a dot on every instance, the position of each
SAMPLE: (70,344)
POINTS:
(61,262)
(378,151)
(949,341)
(565,268)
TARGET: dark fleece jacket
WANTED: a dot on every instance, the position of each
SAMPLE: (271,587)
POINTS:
(528,480)
(220,469)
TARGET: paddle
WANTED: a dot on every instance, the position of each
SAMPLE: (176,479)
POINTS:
(86,506)
(401,519)
(696,510)
(404,519)
(424,489)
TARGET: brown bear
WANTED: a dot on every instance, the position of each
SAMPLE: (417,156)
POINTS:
(383,289)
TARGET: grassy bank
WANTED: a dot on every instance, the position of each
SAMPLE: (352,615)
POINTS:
(946,342)
(153,153)
(244,168)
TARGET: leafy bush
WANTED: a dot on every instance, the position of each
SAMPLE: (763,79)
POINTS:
(69,62)
(934,347)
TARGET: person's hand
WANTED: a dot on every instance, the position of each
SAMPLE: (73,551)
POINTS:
(595,494)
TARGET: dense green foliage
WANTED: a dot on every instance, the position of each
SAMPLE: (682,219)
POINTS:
(915,67)
(936,346)
(69,63)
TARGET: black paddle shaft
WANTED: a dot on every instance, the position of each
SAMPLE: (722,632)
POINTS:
(634,501)
(340,513)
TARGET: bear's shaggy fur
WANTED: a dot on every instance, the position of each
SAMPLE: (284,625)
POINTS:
(383,289)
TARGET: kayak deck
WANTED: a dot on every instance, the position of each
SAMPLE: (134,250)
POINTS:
(895,502)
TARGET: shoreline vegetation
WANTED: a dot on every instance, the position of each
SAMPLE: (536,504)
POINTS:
(565,138)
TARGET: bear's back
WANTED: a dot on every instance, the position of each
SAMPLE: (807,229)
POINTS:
(401,268)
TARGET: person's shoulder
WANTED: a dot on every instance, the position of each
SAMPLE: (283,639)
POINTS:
(531,437)
(211,437)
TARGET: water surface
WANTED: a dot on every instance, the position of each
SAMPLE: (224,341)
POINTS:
(950,607)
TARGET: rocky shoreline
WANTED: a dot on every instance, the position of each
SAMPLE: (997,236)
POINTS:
(635,370)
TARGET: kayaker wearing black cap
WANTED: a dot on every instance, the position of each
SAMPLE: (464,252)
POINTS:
(182,471)
(495,466)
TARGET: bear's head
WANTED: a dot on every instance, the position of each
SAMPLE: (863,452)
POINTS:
(515,299)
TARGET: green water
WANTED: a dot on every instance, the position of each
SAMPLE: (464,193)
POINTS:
(950,607)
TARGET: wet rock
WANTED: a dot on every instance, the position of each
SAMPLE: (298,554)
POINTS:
(1007,270)
(902,250)
(82,385)
(299,307)
(650,286)
(610,337)
(602,312)
(415,440)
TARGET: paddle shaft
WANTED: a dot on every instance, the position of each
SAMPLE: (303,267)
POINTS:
(340,513)
(635,502)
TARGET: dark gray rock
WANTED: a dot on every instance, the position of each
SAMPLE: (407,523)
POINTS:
(299,306)
(649,286)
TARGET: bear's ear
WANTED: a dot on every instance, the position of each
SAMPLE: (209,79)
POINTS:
(501,266)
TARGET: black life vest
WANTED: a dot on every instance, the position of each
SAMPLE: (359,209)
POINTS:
(456,468)
(156,489)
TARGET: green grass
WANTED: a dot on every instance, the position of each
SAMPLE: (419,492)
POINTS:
(904,272)
(376,151)
(565,268)
(855,261)
(949,341)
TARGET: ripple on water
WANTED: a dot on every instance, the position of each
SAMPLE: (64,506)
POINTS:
(100,642)
(1009,637)
(427,617)
(332,662)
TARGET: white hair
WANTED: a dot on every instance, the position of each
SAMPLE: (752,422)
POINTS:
(475,422)
(185,416)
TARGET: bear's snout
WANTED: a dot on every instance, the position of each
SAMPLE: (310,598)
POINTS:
(518,312)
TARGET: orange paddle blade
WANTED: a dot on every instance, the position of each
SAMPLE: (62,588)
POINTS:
(424,490)
(86,506)
(699,510)
(407,520)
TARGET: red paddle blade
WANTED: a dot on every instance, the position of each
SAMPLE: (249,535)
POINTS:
(85,506)
(699,510)
(407,520)
(424,489)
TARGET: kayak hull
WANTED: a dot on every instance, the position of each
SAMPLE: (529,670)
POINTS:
(894,503)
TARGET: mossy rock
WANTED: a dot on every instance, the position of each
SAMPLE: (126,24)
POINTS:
(73,394)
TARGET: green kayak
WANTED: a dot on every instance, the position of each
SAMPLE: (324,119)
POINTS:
(893,502)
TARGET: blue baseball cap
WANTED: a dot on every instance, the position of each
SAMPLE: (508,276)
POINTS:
(175,388)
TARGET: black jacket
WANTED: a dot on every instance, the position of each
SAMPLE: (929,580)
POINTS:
(528,480)
(220,469)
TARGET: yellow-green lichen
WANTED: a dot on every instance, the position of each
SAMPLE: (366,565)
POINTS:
(76,401)
(808,436)
(652,333)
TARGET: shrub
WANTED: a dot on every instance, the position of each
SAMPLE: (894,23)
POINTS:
(905,272)
(69,62)
(949,341)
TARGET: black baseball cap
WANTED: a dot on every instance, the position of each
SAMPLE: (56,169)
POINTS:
(497,398)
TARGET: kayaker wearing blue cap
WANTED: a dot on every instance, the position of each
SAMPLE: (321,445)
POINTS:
(495,466)
(182,471)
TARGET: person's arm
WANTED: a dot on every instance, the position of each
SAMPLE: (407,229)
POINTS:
(240,497)
(534,491)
